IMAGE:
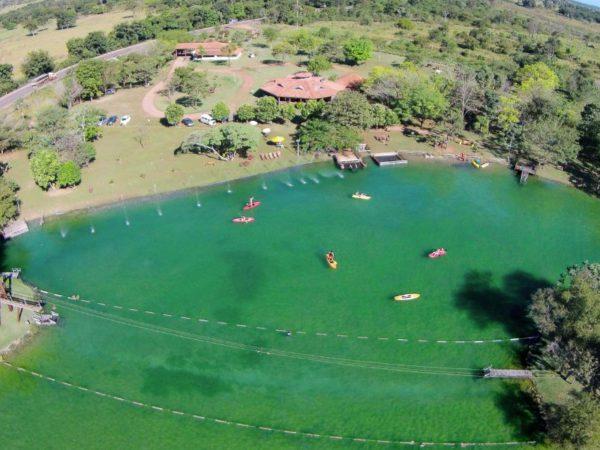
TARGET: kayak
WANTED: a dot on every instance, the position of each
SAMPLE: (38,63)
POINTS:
(243,220)
(406,297)
(476,163)
(361,196)
(332,263)
(484,165)
(437,253)
(248,206)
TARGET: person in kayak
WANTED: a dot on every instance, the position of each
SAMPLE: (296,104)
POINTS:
(330,256)
(251,202)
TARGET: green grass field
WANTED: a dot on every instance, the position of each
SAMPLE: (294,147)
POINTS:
(15,44)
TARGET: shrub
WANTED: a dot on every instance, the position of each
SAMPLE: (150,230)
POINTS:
(174,114)
(44,167)
(318,65)
(246,113)
(69,174)
(220,112)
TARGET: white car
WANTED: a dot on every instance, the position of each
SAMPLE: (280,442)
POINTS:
(207,119)
(125,120)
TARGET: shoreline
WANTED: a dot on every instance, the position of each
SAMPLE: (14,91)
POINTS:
(38,219)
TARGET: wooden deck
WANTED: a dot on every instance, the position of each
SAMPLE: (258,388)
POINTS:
(507,373)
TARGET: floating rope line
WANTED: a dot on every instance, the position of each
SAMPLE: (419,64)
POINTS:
(320,334)
(260,428)
(323,359)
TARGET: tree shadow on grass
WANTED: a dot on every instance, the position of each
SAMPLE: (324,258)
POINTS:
(521,411)
(506,305)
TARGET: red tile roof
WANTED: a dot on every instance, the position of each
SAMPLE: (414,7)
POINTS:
(304,86)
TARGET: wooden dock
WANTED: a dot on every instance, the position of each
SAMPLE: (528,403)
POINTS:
(14,229)
(348,160)
(525,169)
(490,372)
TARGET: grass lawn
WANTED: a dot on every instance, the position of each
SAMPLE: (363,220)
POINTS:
(11,329)
(226,90)
(15,44)
(124,168)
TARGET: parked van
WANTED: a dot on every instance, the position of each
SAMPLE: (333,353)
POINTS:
(207,119)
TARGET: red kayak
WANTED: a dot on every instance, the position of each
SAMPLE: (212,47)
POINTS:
(248,206)
(243,220)
(438,253)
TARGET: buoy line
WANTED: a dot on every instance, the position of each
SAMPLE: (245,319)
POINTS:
(320,334)
(323,359)
(259,428)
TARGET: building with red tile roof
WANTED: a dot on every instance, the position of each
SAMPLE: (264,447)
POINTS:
(304,86)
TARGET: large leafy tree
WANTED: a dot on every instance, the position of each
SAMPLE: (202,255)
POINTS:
(589,131)
(224,142)
(351,109)
(321,135)
(65,18)
(193,84)
(267,110)
(44,167)
(89,77)
(174,114)
(358,50)
(8,201)
(536,76)
(37,62)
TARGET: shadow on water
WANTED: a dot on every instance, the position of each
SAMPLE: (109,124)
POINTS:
(506,305)
(521,411)
(162,380)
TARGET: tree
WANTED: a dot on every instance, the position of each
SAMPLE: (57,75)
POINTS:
(358,50)
(245,113)
(567,317)
(382,116)
(427,102)
(89,76)
(304,42)
(65,18)
(310,109)
(267,110)
(44,167)
(31,25)
(351,109)
(577,422)
(7,83)
(283,50)
(37,62)
(194,84)
(69,174)
(320,135)
(72,92)
(549,141)
(8,201)
(174,113)
(466,95)
(229,50)
(589,131)
(318,65)
(536,76)
(220,112)
(224,141)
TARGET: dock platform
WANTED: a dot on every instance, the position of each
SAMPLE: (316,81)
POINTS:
(388,159)
(526,170)
(14,229)
(490,372)
(348,160)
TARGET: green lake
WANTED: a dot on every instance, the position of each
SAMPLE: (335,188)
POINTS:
(185,311)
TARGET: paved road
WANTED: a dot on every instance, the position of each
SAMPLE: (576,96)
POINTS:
(27,89)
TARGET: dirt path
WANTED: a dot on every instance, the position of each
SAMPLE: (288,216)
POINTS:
(148,102)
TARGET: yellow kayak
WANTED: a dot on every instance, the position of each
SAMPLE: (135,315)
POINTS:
(331,262)
(360,196)
(406,297)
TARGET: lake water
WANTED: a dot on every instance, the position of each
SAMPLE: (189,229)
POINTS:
(188,312)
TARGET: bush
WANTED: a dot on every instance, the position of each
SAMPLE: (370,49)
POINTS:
(44,167)
(220,112)
(68,174)
(38,62)
(318,65)
(245,113)
(267,110)
(405,24)
(174,114)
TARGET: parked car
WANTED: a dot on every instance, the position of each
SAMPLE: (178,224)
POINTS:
(207,119)
(110,91)
(188,122)
(111,120)
(125,119)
